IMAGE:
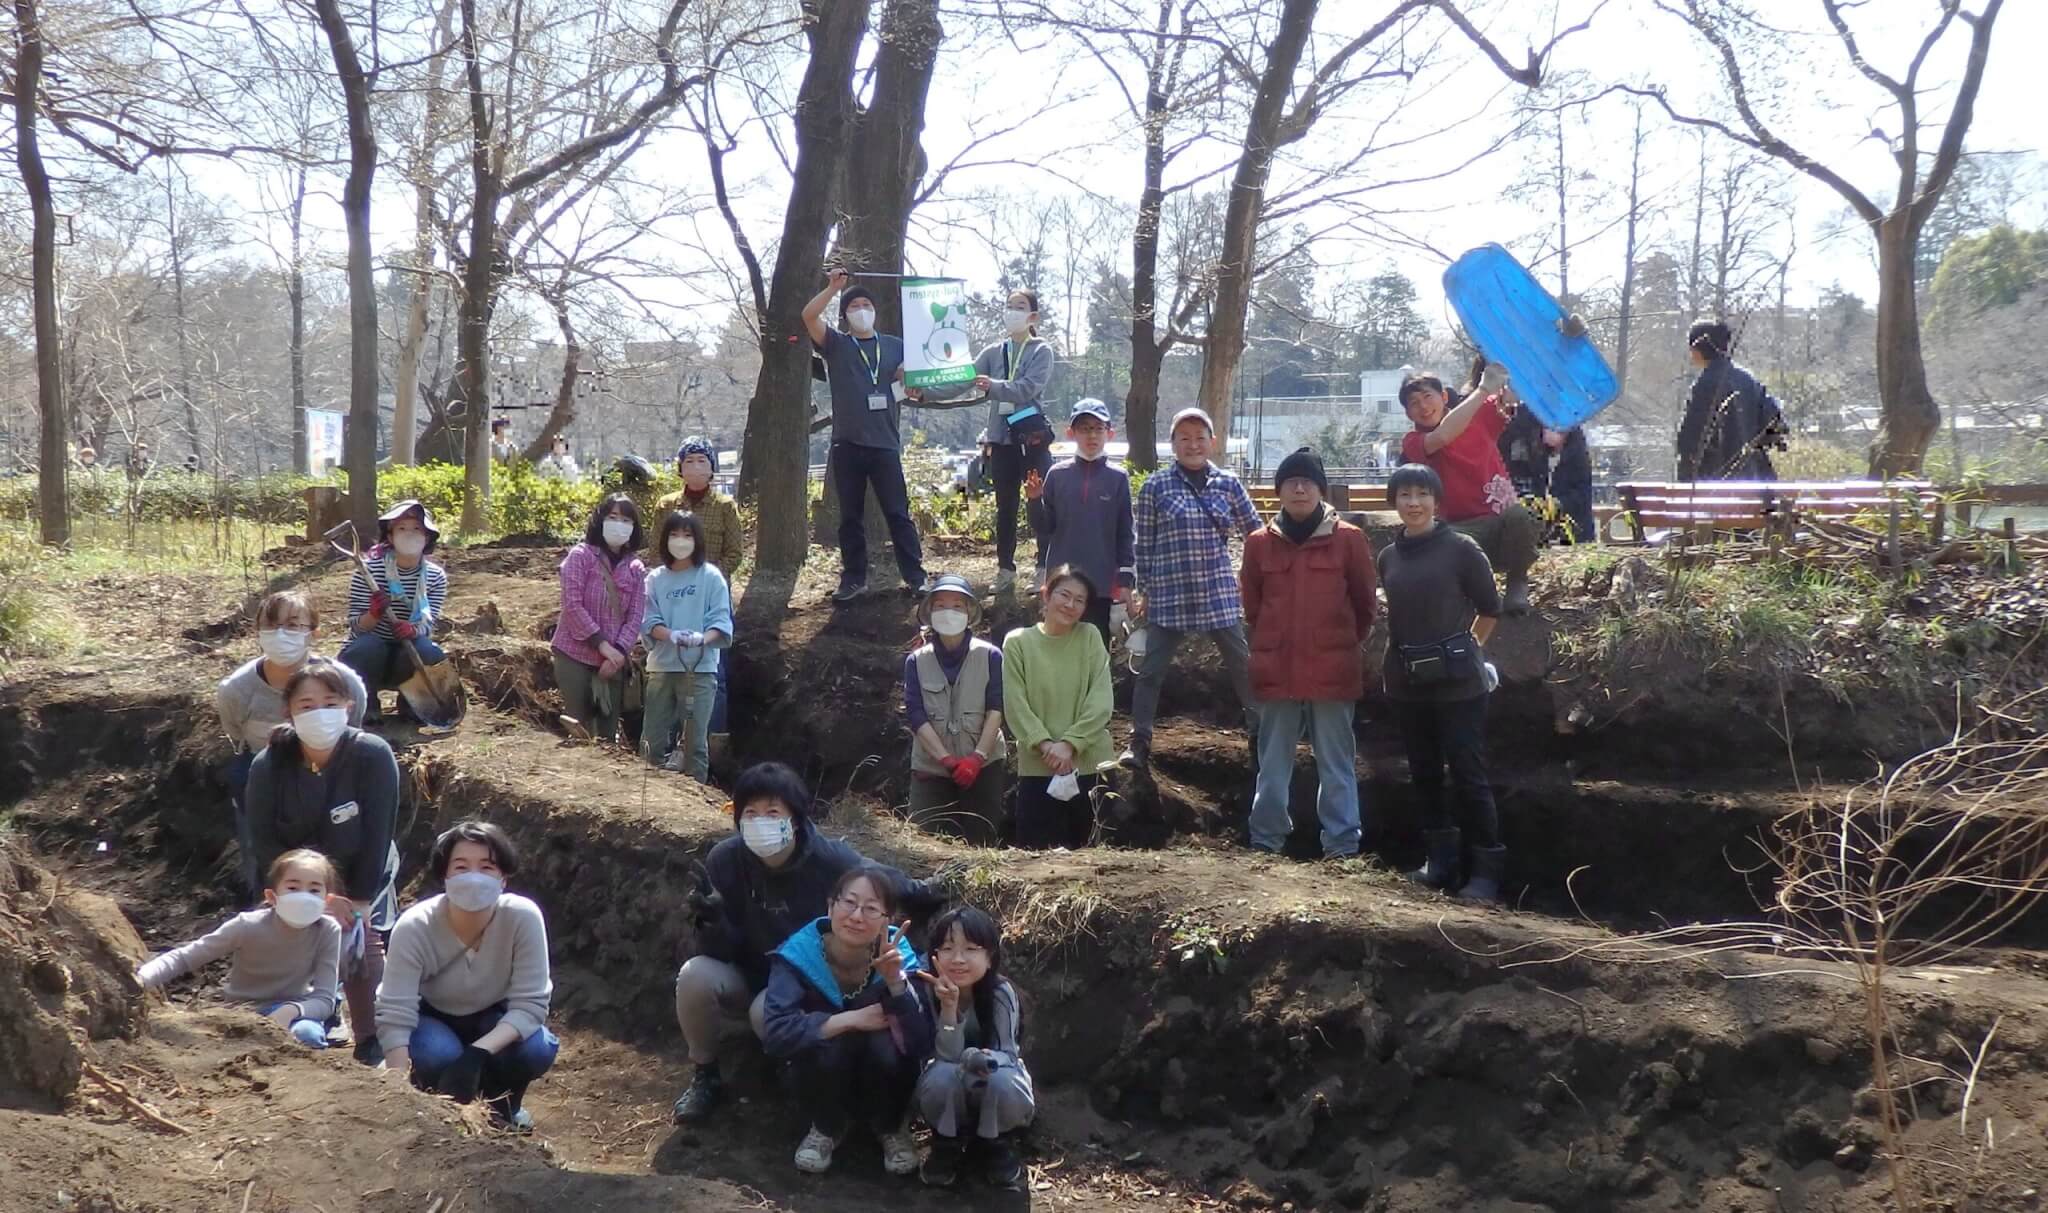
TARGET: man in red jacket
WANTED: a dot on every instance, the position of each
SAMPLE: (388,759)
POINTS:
(1308,585)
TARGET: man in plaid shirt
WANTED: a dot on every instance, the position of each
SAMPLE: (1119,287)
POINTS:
(1186,516)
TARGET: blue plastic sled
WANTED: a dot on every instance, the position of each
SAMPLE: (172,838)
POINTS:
(1513,321)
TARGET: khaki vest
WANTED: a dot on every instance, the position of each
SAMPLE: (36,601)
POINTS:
(957,709)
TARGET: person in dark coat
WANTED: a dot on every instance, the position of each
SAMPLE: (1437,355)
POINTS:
(774,875)
(842,1006)
(1552,463)
(1727,416)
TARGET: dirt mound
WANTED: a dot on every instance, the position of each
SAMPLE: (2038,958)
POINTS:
(67,959)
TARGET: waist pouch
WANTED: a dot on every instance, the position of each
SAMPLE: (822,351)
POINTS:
(1440,661)
(1029,429)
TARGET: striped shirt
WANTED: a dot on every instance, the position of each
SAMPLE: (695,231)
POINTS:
(409,584)
(1183,548)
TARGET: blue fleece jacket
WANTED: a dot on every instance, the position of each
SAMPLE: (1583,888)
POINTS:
(802,995)
(1085,516)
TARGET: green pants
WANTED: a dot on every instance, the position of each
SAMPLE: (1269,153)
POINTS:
(1509,538)
(976,814)
(581,698)
(685,700)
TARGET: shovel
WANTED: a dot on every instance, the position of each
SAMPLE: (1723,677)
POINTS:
(433,692)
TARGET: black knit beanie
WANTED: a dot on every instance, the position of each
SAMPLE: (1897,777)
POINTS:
(1305,463)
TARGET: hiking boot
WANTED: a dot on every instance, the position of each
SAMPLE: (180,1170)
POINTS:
(705,1092)
(368,1052)
(1001,1167)
(1487,865)
(849,591)
(941,1167)
(1138,757)
(1440,869)
(1516,602)
(1006,581)
(899,1151)
(814,1155)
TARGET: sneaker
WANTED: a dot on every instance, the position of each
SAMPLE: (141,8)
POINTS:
(941,1167)
(814,1155)
(520,1121)
(1137,758)
(1001,1166)
(849,591)
(1006,581)
(899,1152)
(703,1095)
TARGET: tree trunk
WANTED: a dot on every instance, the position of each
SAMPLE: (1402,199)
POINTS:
(1564,241)
(1148,353)
(1237,265)
(563,414)
(884,163)
(774,453)
(295,298)
(469,404)
(177,243)
(1909,419)
(359,454)
(52,498)
(405,399)
(1628,268)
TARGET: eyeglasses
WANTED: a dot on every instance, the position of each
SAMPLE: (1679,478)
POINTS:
(1072,598)
(854,907)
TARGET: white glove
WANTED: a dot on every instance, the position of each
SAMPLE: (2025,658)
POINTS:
(1119,616)
(1064,787)
(1492,676)
(1493,378)
(691,640)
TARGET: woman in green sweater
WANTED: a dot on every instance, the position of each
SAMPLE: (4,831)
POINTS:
(1056,700)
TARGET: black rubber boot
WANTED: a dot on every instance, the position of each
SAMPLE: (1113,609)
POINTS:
(941,1167)
(1440,869)
(1488,863)
(1000,1165)
(706,1091)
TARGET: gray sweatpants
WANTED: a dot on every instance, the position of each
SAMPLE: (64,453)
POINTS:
(1160,645)
(712,998)
(948,1097)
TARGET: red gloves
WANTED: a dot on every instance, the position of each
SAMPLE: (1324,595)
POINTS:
(966,771)
(949,762)
(378,601)
(404,630)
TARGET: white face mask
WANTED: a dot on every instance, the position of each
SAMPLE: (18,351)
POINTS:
(768,836)
(285,646)
(474,891)
(681,546)
(861,320)
(617,531)
(949,622)
(1016,323)
(300,909)
(320,728)
(409,544)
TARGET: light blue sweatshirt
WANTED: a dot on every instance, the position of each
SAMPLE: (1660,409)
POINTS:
(693,600)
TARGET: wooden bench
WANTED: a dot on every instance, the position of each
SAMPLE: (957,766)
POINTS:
(1708,507)
(1267,499)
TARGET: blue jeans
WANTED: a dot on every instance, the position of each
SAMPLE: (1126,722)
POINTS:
(438,1040)
(379,663)
(718,706)
(1281,723)
(854,468)
(308,1032)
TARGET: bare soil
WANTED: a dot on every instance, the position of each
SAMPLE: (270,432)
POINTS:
(1207,1027)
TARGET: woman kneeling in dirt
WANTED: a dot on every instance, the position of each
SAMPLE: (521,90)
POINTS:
(405,609)
(604,597)
(976,1087)
(843,1006)
(251,700)
(1441,607)
(953,698)
(764,882)
(324,785)
(1056,699)
(464,1002)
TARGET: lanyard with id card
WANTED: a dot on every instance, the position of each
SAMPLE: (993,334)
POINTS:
(878,396)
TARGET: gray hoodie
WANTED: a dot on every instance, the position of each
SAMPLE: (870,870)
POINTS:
(1012,390)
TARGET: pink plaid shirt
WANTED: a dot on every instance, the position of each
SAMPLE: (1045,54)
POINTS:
(587,618)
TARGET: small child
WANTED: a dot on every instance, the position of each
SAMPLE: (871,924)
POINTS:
(286,956)
(1083,509)
(688,619)
(976,1083)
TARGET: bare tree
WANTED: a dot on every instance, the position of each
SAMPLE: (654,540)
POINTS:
(1909,418)
(26,83)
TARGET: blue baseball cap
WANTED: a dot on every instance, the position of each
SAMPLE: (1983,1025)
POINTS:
(1090,407)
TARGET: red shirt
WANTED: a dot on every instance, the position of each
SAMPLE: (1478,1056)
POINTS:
(1475,477)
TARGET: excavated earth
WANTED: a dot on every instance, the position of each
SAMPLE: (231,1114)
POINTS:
(1207,1027)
